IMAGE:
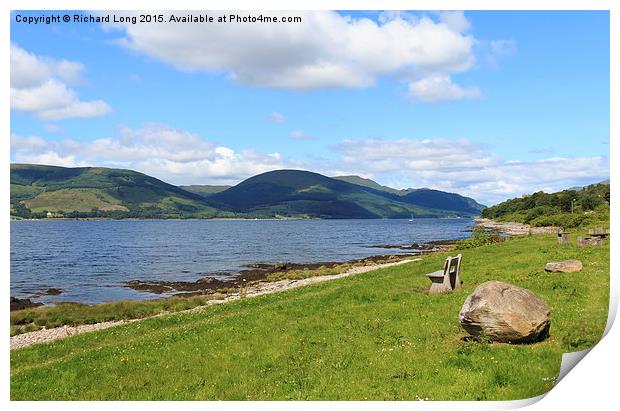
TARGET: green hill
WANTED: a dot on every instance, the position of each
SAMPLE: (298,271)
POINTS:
(425,197)
(567,208)
(99,192)
(366,182)
(204,190)
(294,193)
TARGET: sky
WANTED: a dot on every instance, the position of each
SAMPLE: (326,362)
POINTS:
(491,105)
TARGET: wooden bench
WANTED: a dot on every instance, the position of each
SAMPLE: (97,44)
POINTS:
(598,232)
(447,279)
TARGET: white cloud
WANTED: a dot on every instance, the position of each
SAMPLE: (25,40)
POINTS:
(440,88)
(277,117)
(300,135)
(173,155)
(52,158)
(39,86)
(326,50)
(456,20)
(26,69)
(53,128)
(27,143)
(495,50)
(465,167)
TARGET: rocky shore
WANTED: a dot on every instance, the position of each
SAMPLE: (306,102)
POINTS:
(253,273)
(253,289)
(257,272)
(512,228)
(261,272)
(257,279)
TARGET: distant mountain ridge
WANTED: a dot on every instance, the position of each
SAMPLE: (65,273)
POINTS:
(99,192)
(578,188)
(424,197)
(366,182)
(294,192)
(204,190)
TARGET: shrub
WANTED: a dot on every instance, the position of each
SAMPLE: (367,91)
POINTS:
(564,220)
(479,237)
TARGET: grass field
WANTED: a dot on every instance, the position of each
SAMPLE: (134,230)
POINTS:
(375,336)
(33,319)
(76,199)
(73,314)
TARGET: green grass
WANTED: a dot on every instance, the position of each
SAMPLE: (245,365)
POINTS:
(305,273)
(33,319)
(19,192)
(377,335)
(74,199)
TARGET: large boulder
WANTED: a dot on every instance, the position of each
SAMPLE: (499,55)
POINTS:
(505,313)
(566,266)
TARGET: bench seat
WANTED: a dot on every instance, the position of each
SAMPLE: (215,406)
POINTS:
(436,274)
(447,279)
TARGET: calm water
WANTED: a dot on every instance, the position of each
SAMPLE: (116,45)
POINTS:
(90,260)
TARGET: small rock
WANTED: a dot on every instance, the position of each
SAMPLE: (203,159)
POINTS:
(566,266)
(53,291)
(22,303)
(280,265)
(505,313)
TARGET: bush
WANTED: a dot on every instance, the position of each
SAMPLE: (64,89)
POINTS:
(479,237)
(538,212)
(530,207)
(564,220)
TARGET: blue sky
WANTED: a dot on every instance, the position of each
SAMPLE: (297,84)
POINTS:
(487,104)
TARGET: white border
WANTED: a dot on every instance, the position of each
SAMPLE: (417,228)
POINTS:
(592,383)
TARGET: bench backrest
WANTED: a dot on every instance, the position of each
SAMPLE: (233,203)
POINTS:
(598,231)
(451,269)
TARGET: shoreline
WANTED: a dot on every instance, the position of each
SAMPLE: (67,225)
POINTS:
(209,284)
(15,218)
(267,272)
(253,289)
(258,279)
(514,229)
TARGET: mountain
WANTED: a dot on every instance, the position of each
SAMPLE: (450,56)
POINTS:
(294,192)
(37,190)
(423,197)
(98,190)
(577,188)
(204,190)
(366,182)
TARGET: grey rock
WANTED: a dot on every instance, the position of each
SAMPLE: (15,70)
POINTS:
(23,303)
(503,312)
(566,266)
